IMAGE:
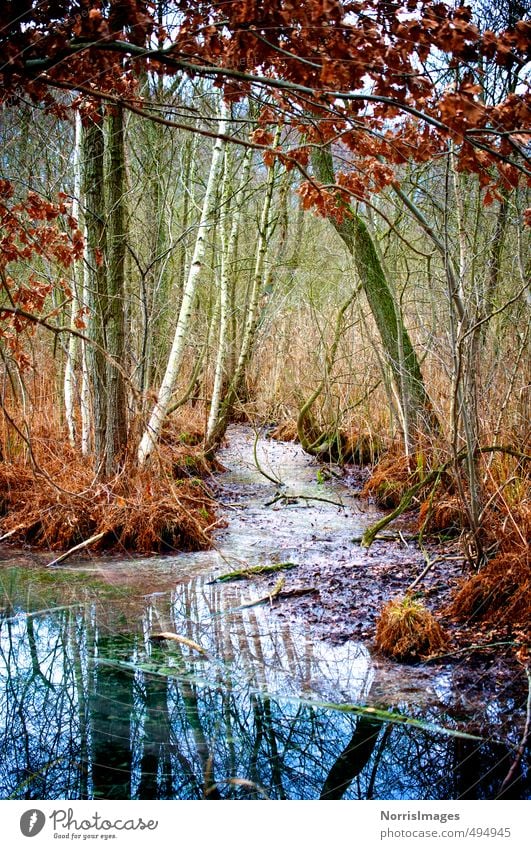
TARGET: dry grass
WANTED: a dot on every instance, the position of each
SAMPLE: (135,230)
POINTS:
(135,511)
(391,478)
(359,447)
(161,508)
(407,631)
(500,593)
(442,514)
(285,431)
(350,446)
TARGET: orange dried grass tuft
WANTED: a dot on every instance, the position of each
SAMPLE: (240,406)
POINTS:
(407,631)
(391,478)
(500,593)
(442,514)
(285,431)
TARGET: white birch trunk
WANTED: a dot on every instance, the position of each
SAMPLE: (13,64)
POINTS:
(227,252)
(86,418)
(71,354)
(257,287)
(153,429)
(252,317)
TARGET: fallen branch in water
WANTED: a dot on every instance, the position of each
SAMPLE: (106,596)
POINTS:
(295,592)
(79,547)
(277,481)
(525,736)
(251,571)
(399,536)
(277,589)
(292,498)
(176,638)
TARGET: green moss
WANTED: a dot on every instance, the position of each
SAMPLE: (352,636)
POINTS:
(38,589)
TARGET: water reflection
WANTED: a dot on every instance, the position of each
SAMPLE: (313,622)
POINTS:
(92,708)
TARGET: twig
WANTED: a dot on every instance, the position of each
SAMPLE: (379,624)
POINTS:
(428,566)
(522,744)
(292,497)
(295,592)
(276,481)
(476,647)
(277,589)
(78,547)
(10,533)
(176,638)
(388,536)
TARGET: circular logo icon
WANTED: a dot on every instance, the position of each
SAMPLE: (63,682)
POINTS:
(32,822)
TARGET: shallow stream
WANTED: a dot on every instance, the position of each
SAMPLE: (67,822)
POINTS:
(249,703)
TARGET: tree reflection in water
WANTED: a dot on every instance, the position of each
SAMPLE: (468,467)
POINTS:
(92,709)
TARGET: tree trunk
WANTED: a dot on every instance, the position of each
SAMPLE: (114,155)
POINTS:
(93,149)
(417,411)
(228,249)
(251,321)
(114,320)
(73,341)
(154,427)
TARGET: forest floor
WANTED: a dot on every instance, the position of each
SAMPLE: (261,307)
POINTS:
(351,584)
(351,590)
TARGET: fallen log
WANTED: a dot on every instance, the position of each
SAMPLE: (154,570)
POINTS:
(251,571)
(170,636)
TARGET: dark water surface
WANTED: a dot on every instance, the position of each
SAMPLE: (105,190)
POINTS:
(91,707)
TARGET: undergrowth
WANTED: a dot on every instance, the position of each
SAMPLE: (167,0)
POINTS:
(56,502)
(408,631)
(342,446)
(499,592)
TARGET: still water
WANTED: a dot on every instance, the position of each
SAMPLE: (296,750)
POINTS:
(244,705)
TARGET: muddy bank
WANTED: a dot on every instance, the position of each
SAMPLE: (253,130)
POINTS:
(350,584)
(314,517)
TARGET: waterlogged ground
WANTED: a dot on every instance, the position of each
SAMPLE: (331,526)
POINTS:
(279,700)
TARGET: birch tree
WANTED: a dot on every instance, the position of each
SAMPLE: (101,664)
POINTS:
(154,426)
(73,346)
(228,247)
(218,428)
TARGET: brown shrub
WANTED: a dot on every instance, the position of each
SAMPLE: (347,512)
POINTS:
(499,593)
(391,478)
(442,514)
(285,431)
(407,631)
